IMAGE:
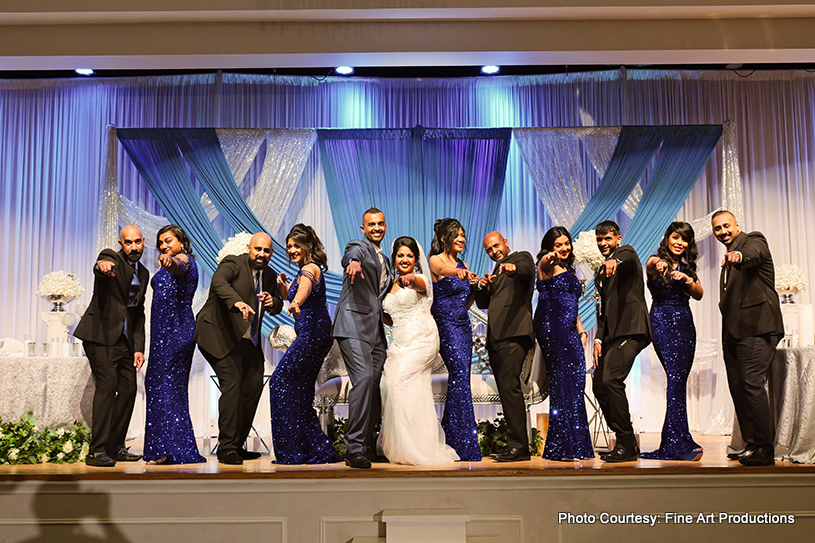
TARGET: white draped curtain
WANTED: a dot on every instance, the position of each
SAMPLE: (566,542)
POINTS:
(53,155)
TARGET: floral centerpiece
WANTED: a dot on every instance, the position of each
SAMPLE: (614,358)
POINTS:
(789,279)
(24,442)
(235,246)
(59,288)
(585,250)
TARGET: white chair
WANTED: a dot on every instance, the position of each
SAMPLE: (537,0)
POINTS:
(12,347)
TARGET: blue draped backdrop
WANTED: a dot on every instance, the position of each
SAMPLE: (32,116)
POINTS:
(416,177)
(683,152)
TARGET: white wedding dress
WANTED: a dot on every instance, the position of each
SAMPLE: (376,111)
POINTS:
(411,433)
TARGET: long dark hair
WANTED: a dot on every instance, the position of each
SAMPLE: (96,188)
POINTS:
(410,243)
(306,238)
(690,255)
(548,245)
(179,234)
(444,232)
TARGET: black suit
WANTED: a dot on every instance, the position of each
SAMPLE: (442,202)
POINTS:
(112,329)
(510,337)
(624,329)
(751,328)
(238,362)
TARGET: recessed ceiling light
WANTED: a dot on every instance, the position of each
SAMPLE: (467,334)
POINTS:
(84,71)
(344,70)
(490,69)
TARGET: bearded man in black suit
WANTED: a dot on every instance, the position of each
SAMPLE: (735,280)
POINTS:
(112,330)
(506,294)
(228,334)
(623,330)
(752,326)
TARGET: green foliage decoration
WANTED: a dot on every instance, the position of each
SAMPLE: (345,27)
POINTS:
(24,442)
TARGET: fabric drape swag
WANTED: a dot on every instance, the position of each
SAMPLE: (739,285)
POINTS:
(416,176)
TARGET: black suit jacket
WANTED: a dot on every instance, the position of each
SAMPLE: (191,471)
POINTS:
(509,299)
(359,310)
(747,297)
(220,325)
(104,320)
(623,309)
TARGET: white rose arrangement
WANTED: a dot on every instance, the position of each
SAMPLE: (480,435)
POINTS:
(235,246)
(585,250)
(60,283)
(789,277)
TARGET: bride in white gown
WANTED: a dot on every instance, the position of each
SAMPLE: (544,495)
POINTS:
(411,432)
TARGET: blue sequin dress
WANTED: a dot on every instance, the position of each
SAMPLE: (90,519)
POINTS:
(296,432)
(168,431)
(674,337)
(568,436)
(456,349)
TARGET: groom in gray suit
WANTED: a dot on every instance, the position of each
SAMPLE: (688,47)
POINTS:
(360,332)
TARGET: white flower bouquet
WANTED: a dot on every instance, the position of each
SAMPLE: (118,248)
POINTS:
(790,278)
(235,246)
(60,285)
(585,250)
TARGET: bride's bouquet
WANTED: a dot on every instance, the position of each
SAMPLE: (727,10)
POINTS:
(585,250)
(235,246)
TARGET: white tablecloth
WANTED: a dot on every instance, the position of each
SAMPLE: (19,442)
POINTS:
(791,387)
(57,390)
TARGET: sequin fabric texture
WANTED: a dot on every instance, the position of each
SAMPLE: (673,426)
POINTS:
(568,436)
(456,349)
(296,432)
(168,431)
(674,337)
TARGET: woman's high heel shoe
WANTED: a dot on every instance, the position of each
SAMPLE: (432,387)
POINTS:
(693,455)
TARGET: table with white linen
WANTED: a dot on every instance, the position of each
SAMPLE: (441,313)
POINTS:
(57,390)
(791,388)
(792,403)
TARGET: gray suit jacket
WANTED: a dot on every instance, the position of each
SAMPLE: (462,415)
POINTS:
(747,297)
(359,311)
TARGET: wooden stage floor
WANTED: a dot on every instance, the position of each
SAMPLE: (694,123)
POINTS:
(714,461)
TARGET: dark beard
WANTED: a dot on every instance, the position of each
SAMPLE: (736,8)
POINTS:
(258,264)
(134,256)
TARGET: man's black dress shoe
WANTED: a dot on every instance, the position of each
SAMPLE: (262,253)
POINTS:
(100,460)
(512,454)
(124,456)
(248,455)
(230,457)
(739,455)
(758,457)
(621,454)
(357,460)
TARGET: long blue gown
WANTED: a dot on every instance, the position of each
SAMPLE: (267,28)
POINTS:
(168,431)
(456,348)
(556,330)
(674,337)
(296,432)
